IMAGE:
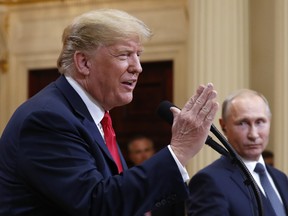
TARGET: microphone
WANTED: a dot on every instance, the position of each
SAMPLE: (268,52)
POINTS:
(164,112)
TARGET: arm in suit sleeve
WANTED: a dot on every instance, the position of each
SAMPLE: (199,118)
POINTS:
(206,198)
(64,167)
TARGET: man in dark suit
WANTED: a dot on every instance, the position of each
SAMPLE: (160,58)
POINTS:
(219,188)
(53,156)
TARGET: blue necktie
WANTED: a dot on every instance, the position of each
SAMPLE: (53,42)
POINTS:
(269,191)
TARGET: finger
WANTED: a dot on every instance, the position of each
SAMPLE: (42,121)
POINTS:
(203,98)
(208,104)
(192,100)
(211,115)
(175,111)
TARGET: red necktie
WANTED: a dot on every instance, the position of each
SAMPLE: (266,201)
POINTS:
(110,139)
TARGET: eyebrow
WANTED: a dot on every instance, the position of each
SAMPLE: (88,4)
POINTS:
(122,47)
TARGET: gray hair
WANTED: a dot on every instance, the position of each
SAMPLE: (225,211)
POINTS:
(226,103)
(100,27)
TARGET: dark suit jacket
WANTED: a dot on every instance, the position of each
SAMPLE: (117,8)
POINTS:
(177,209)
(219,189)
(53,161)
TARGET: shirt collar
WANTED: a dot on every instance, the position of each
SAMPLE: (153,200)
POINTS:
(251,164)
(96,111)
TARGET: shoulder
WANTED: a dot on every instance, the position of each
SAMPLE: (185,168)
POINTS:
(222,165)
(218,171)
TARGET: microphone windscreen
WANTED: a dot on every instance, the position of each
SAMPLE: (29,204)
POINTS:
(164,111)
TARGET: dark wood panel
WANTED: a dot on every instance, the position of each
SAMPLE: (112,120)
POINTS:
(39,78)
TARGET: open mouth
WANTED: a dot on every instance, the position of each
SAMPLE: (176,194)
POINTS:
(130,83)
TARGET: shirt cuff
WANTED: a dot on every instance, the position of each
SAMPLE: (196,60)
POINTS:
(181,168)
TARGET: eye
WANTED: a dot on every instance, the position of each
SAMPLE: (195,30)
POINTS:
(260,121)
(242,123)
(123,56)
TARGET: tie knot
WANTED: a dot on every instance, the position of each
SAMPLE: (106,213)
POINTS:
(259,168)
(106,120)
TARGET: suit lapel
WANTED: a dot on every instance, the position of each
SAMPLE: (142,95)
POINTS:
(239,178)
(80,108)
(281,185)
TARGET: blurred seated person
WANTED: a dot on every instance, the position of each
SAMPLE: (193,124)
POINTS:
(268,157)
(140,148)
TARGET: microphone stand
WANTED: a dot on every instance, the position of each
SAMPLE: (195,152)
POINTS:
(235,158)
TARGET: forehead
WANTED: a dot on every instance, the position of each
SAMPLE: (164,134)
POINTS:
(140,143)
(251,106)
(131,44)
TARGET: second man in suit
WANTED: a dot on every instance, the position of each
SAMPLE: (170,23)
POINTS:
(219,188)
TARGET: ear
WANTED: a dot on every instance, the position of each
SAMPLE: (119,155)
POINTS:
(82,63)
(222,124)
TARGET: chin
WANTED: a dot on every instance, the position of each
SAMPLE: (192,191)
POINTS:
(253,157)
(127,99)
(124,102)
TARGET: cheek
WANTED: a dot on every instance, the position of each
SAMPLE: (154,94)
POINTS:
(104,77)
(264,134)
(236,137)
(238,132)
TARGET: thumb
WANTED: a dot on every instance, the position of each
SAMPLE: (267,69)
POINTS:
(175,111)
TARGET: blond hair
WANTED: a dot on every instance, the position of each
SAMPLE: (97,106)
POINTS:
(95,28)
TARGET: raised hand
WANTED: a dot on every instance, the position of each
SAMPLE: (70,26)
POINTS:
(191,125)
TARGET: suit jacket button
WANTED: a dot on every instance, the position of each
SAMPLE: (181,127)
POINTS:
(163,202)
(158,204)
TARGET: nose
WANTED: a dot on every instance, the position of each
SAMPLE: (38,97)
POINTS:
(253,133)
(134,64)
